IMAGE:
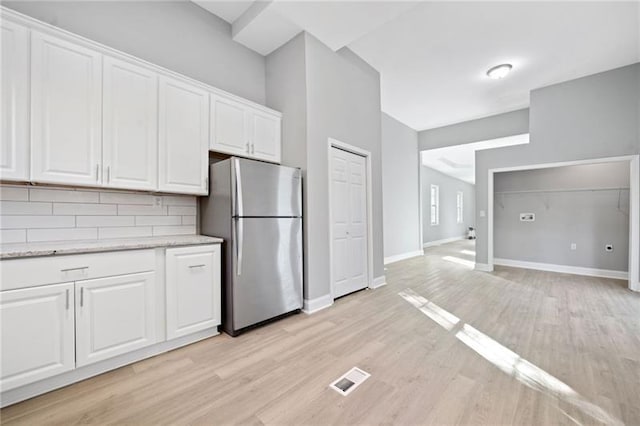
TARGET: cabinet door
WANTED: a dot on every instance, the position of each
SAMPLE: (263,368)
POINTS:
(183,135)
(130,126)
(265,136)
(37,334)
(229,126)
(66,88)
(114,315)
(14,93)
(193,289)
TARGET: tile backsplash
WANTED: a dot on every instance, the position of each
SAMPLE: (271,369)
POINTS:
(32,214)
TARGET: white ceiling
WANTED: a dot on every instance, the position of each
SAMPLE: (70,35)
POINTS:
(459,161)
(433,56)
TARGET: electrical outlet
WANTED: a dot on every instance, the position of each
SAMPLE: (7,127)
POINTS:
(574,246)
(608,247)
(157,201)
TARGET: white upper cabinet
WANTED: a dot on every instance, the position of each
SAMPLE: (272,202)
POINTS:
(265,136)
(37,335)
(229,126)
(184,137)
(238,128)
(130,126)
(14,95)
(66,118)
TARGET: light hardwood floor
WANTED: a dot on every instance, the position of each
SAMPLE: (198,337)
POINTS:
(580,335)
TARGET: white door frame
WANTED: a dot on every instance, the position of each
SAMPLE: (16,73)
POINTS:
(634,208)
(334,143)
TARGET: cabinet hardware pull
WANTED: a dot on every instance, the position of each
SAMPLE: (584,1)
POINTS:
(248,151)
(252,148)
(81,296)
(97,172)
(108,174)
(67,300)
(74,269)
(197,266)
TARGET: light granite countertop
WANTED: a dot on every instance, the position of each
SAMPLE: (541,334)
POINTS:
(18,250)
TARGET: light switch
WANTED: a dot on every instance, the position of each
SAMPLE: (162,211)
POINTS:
(482,213)
(574,246)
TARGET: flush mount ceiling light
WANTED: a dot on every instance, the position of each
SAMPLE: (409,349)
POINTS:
(499,71)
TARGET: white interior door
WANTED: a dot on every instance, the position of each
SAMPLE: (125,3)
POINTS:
(349,222)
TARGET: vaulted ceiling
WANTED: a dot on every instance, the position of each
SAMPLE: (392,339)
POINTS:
(432,56)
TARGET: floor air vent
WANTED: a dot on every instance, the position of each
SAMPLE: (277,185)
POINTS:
(349,381)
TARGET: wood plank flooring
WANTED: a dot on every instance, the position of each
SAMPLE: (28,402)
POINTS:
(582,333)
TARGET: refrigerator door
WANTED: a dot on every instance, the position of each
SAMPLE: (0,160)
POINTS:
(265,190)
(267,269)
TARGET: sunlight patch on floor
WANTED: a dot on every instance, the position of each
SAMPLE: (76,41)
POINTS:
(508,361)
(459,261)
(468,252)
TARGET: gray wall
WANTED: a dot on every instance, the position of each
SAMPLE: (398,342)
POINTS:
(590,219)
(177,35)
(449,187)
(482,129)
(587,118)
(401,188)
(340,99)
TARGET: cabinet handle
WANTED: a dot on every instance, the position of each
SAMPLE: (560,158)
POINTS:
(248,151)
(97,172)
(108,174)
(81,296)
(197,266)
(252,148)
(74,269)
(67,300)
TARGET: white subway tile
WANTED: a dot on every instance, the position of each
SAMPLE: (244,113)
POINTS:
(14,193)
(84,209)
(182,210)
(179,200)
(61,234)
(8,236)
(124,232)
(188,220)
(126,198)
(63,195)
(174,230)
(158,220)
(22,222)
(137,210)
(104,221)
(24,208)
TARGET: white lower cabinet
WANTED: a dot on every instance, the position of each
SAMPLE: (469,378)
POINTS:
(37,334)
(193,289)
(114,315)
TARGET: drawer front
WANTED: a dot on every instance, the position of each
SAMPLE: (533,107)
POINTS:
(32,272)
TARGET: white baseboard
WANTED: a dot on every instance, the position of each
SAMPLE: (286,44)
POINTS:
(378,282)
(403,256)
(81,373)
(483,267)
(576,270)
(444,241)
(319,303)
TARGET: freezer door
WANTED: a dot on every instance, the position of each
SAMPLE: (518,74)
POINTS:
(267,273)
(265,190)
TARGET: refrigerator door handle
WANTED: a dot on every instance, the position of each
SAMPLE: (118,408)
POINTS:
(238,206)
(239,241)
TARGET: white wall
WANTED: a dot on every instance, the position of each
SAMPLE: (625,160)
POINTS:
(32,214)
(177,35)
(400,188)
(590,219)
(448,187)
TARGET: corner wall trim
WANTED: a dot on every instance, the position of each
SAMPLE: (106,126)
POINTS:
(403,256)
(378,282)
(483,267)
(311,306)
(443,241)
(564,269)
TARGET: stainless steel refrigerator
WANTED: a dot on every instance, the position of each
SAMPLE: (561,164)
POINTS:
(257,208)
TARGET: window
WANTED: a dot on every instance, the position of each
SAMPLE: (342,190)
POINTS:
(435,205)
(459,207)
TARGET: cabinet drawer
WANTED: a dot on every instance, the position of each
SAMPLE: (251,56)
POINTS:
(31,272)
